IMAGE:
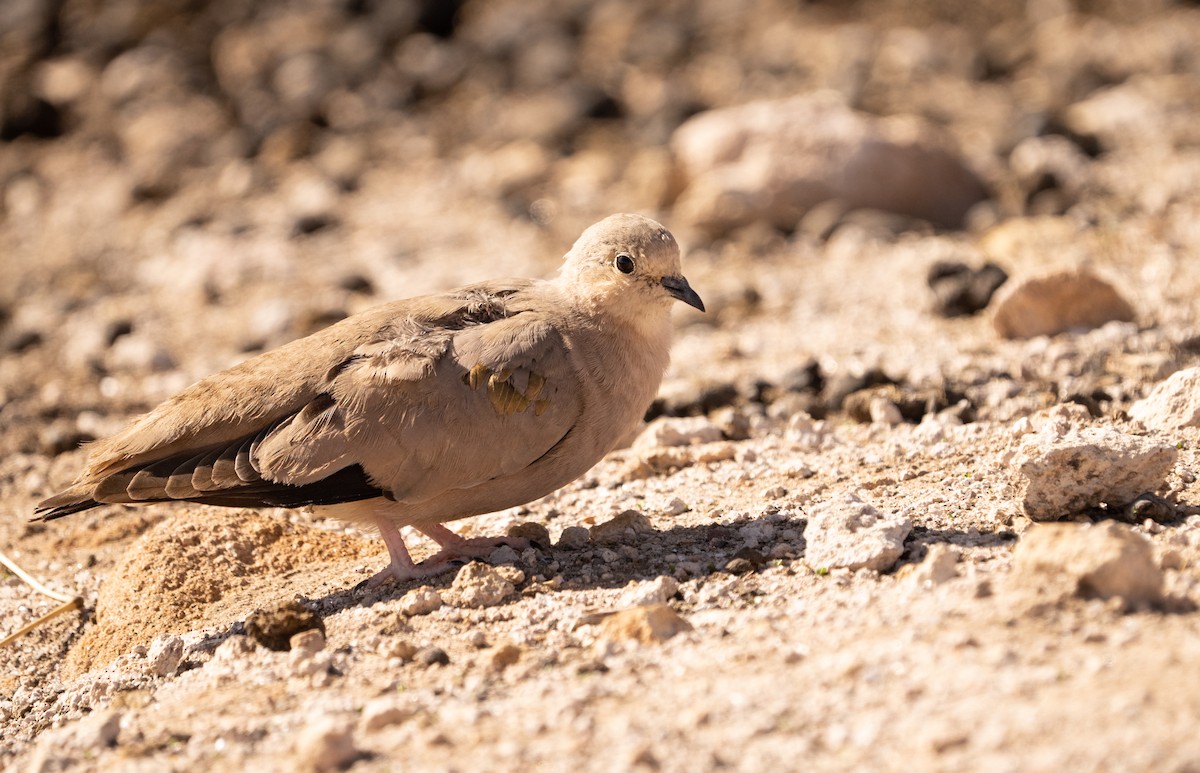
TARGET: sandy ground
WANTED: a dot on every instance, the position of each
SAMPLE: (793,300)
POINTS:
(706,629)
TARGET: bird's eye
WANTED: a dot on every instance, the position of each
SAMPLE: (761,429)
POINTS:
(624,264)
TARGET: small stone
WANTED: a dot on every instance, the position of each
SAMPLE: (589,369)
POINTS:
(164,655)
(504,656)
(1061,475)
(384,712)
(845,532)
(939,566)
(420,601)
(883,411)
(234,651)
(739,566)
(960,290)
(1093,561)
(503,555)
(479,585)
(676,507)
(274,627)
(668,431)
(536,533)
(326,744)
(1058,302)
(657,591)
(1173,404)
(626,526)
(573,538)
(478,640)
(775,492)
(402,649)
(311,641)
(647,624)
(431,656)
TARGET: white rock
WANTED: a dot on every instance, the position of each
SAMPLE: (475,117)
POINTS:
(657,591)
(1060,475)
(384,712)
(1072,299)
(1103,560)
(884,411)
(668,431)
(420,601)
(164,655)
(939,566)
(846,532)
(326,744)
(479,585)
(775,160)
(1172,404)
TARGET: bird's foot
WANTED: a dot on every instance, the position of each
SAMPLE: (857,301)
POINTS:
(402,574)
(458,550)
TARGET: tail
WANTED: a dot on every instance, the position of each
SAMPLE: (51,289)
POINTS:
(74,500)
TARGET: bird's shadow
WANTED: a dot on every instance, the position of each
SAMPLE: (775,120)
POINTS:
(699,552)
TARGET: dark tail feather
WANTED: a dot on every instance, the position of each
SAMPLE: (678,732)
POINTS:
(348,484)
(73,500)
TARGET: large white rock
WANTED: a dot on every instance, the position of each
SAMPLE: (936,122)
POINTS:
(774,160)
(1104,560)
(1173,404)
(847,533)
(1070,299)
(1060,475)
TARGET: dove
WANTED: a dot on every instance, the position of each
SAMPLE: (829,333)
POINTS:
(419,411)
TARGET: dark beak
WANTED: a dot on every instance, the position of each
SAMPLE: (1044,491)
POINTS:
(679,288)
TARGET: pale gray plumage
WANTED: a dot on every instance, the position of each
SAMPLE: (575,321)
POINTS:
(420,411)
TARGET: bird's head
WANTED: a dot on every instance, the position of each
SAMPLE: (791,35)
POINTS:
(629,265)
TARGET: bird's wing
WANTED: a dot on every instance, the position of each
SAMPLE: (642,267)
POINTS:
(424,411)
(407,400)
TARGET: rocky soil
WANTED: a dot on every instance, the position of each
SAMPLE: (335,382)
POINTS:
(919,491)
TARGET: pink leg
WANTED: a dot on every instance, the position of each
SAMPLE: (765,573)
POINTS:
(401,568)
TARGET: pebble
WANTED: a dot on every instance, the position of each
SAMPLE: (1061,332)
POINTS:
(676,507)
(1173,404)
(627,525)
(845,532)
(503,555)
(647,624)
(420,601)
(960,290)
(326,744)
(478,585)
(1090,561)
(573,538)
(164,655)
(657,591)
(274,627)
(311,641)
(536,533)
(669,431)
(940,565)
(382,713)
(431,656)
(1074,299)
(504,656)
(1059,475)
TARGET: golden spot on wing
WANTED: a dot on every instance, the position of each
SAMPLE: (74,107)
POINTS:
(476,376)
(505,398)
(536,382)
